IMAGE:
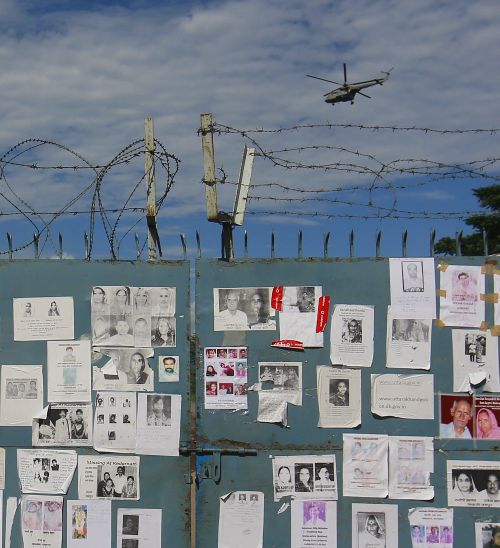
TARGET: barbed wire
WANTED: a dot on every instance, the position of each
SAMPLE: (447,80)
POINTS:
(222,128)
(163,161)
(372,174)
(336,215)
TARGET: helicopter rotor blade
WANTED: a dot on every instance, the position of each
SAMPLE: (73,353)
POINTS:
(364,94)
(324,79)
(345,74)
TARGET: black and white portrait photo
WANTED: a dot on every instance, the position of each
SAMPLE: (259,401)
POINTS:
(413,278)
(159,410)
(324,476)
(339,392)
(304,475)
(130,524)
(352,330)
(371,530)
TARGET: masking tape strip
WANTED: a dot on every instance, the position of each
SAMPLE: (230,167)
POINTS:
(484,326)
(495,331)
(441,293)
(442,266)
(439,323)
(489,267)
(489,297)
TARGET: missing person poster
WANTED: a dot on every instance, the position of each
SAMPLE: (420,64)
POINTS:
(225,376)
(460,296)
(339,397)
(313,523)
(365,465)
(168,368)
(305,477)
(133,316)
(43,319)
(69,371)
(374,525)
(88,523)
(108,477)
(456,412)
(473,483)
(63,424)
(411,462)
(138,527)
(124,369)
(408,343)
(487,534)
(299,314)
(21,394)
(45,470)
(486,420)
(351,335)
(241,520)
(115,422)
(41,521)
(413,288)
(431,527)
(243,309)
(475,360)
(158,424)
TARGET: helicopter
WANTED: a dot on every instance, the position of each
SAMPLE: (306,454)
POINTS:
(346,92)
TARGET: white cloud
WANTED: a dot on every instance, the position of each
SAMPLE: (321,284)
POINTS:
(87,79)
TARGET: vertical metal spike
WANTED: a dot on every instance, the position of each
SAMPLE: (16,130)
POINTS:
(299,246)
(378,237)
(184,245)
(485,243)
(86,246)
(326,239)
(60,252)
(137,246)
(245,244)
(404,242)
(351,244)
(458,240)
(9,243)
(36,242)
(432,242)
(198,244)
(272,244)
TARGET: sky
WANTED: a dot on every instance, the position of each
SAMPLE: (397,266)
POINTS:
(85,75)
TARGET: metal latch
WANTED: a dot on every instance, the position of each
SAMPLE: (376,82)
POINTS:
(208,461)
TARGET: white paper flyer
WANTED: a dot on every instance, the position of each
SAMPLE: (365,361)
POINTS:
(43,319)
(241,520)
(21,394)
(339,397)
(313,523)
(365,465)
(404,396)
(460,296)
(351,335)
(69,371)
(413,288)
(408,343)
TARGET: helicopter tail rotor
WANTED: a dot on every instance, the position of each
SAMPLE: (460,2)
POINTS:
(345,75)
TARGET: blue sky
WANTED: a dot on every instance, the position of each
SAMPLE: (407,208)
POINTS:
(86,74)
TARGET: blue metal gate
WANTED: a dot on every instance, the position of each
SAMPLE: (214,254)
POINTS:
(238,449)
